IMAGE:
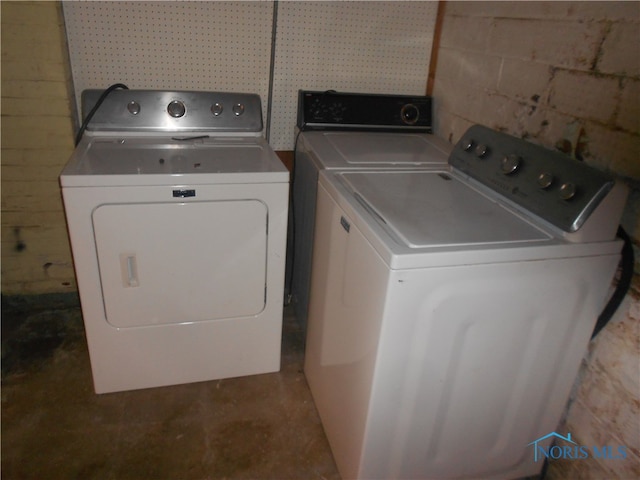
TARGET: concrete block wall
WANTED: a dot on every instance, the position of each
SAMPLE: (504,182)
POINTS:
(37,140)
(562,74)
(565,75)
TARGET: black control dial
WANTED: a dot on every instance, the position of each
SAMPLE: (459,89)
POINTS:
(410,114)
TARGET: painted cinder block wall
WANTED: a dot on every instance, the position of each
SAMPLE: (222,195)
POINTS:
(37,140)
(565,75)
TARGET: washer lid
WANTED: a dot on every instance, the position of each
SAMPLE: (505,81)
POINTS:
(385,148)
(433,209)
(113,161)
(367,149)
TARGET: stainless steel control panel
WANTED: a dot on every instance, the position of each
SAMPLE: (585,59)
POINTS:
(549,184)
(175,111)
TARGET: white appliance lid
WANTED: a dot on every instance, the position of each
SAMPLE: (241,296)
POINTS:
(386,148)
(410,204)
(356,150)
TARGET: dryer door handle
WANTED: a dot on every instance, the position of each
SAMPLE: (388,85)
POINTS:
(129,269)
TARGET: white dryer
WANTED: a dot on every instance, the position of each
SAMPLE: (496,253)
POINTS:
(177,214)
(450,309)
(351,131)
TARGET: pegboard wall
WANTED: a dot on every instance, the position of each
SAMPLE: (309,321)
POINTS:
(373,47)
(223,46)
(365,47)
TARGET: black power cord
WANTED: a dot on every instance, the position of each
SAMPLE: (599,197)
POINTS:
(292,228)
(90,115)
(626,275)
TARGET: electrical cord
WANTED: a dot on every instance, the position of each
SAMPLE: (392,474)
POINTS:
(292,215)
(90,115)
(292,229)
(624,283)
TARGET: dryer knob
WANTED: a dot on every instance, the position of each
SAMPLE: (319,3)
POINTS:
(133,107)
(467,144)
(217,109)
(176,109)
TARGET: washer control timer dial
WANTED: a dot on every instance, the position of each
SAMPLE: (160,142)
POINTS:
(238,109)
(545,179)
(568,191)
(510,164)
(176,109)
(482,150)
(410,114)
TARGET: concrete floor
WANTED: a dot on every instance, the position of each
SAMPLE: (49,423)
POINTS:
(55,427)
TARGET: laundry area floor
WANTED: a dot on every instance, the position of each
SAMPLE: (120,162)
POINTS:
(55,427)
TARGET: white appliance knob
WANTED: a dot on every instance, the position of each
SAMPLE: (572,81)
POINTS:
(176,109)
(217,109)
(568,191)
(510,164)
(545,179)
(133,107)
(238,109)
(482,150)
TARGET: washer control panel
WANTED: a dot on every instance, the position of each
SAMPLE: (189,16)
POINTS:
(331,110)
(551,185)
(162,111)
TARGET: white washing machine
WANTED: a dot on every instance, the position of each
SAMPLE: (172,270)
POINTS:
(351,131)
(177,216)
(450,309)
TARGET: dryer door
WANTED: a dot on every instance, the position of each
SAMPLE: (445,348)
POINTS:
(168,263)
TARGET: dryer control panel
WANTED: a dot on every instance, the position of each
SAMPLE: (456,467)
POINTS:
(173,111)
(331,110)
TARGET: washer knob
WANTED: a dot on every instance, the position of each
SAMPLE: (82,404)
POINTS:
(410,114)
(217,109)
(482,150)
(467,144)
(238,109)
(510,164)
(545,179)
(176,109)
(568,191)
(133,107)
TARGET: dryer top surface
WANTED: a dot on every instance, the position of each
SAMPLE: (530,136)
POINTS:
(159,161)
